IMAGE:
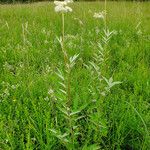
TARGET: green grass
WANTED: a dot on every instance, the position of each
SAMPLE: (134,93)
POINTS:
(120,120)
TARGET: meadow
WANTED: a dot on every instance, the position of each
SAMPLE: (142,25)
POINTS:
(87,90)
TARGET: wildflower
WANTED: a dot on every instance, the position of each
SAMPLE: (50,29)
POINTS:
(62,3)
(69,1)
(100,15)
(61,6)
(50,91)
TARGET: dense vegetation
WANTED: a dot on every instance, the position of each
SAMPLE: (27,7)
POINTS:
(33,112)
(30,1)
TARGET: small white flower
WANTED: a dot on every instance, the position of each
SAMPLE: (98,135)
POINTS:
(68,9)
(61,6)
(64,9)
(69,1)
(60,3)
(50,91)
(100,15)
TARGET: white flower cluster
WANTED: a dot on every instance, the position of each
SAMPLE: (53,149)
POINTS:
(100,15)
(61,6)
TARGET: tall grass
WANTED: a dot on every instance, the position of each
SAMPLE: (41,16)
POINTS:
(53,98)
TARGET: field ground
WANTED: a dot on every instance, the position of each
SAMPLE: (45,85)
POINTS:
(30,55)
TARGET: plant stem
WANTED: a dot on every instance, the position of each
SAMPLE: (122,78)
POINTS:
(24,27)
(68,82)
(69,103)
(63,27)
(105,28)
(66,60)
(105,18)
(63,38)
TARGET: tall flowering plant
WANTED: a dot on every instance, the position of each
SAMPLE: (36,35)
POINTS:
(65,104)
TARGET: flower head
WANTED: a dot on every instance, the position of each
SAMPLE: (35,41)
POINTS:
(69,1)
(62,3)
(61,6)
(100,15)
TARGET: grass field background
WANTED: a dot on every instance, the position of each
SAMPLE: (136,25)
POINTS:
(30,55)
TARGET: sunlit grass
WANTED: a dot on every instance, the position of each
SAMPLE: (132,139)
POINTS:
(30,55)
